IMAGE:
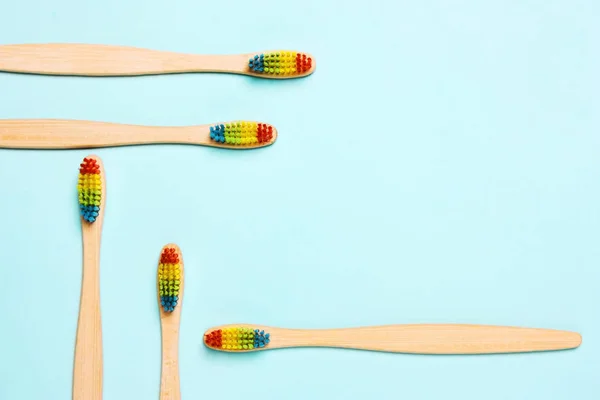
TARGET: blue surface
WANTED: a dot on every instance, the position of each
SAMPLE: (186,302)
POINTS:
(441,165)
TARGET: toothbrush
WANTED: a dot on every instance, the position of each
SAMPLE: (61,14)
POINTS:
(73,134)
(416,339)
(87,371)
(170,294)
(105,60)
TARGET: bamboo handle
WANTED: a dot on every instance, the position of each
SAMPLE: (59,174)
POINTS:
(169,376)
(106,60)
(432,339)
(87,372)
(69,134)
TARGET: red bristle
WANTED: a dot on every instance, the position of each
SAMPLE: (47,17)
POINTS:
(214,339)
(169,256)
(89,166)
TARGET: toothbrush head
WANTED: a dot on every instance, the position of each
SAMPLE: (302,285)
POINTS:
(170,278)
(243,133)
(90,188)
(281,64)
(236,338)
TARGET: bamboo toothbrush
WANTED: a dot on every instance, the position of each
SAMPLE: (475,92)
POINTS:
(87,371)
(417,339)
(105,60)
(72,134)
(170,294)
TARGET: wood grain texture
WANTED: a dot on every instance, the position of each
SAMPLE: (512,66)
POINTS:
(87,371)
(423,338)
(169,377)
(76,134)
(104,60)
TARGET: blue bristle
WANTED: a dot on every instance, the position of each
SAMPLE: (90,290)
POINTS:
(89,213)
(257,64)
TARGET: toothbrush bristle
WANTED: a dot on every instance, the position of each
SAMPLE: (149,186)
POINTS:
(89,189)
(237,339)
(169,279)
(241,133)
(281,63)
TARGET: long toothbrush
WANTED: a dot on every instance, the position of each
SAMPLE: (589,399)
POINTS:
(170,295)
(72,134)
(106,60)
(87,371)
(417,339)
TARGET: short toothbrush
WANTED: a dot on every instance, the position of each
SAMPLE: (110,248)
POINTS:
(170,294)
(106,60)
(87,371)
(416,339)
(74,134)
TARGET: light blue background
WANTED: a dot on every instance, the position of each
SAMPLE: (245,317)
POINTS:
(440,166)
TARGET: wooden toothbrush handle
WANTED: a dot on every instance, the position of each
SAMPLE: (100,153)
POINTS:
(430,339)
(106,60)
(72,134)
(87,371)
(169,375)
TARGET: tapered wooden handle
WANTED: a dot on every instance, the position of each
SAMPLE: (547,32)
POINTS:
(87,371)
(105,60)
(169,376)
(418,339)
(65,134)
(432,339)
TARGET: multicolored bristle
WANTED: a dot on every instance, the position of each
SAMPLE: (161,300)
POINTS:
(169,279)
(89,188)
(242,133)
(281,63)
(237,339)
